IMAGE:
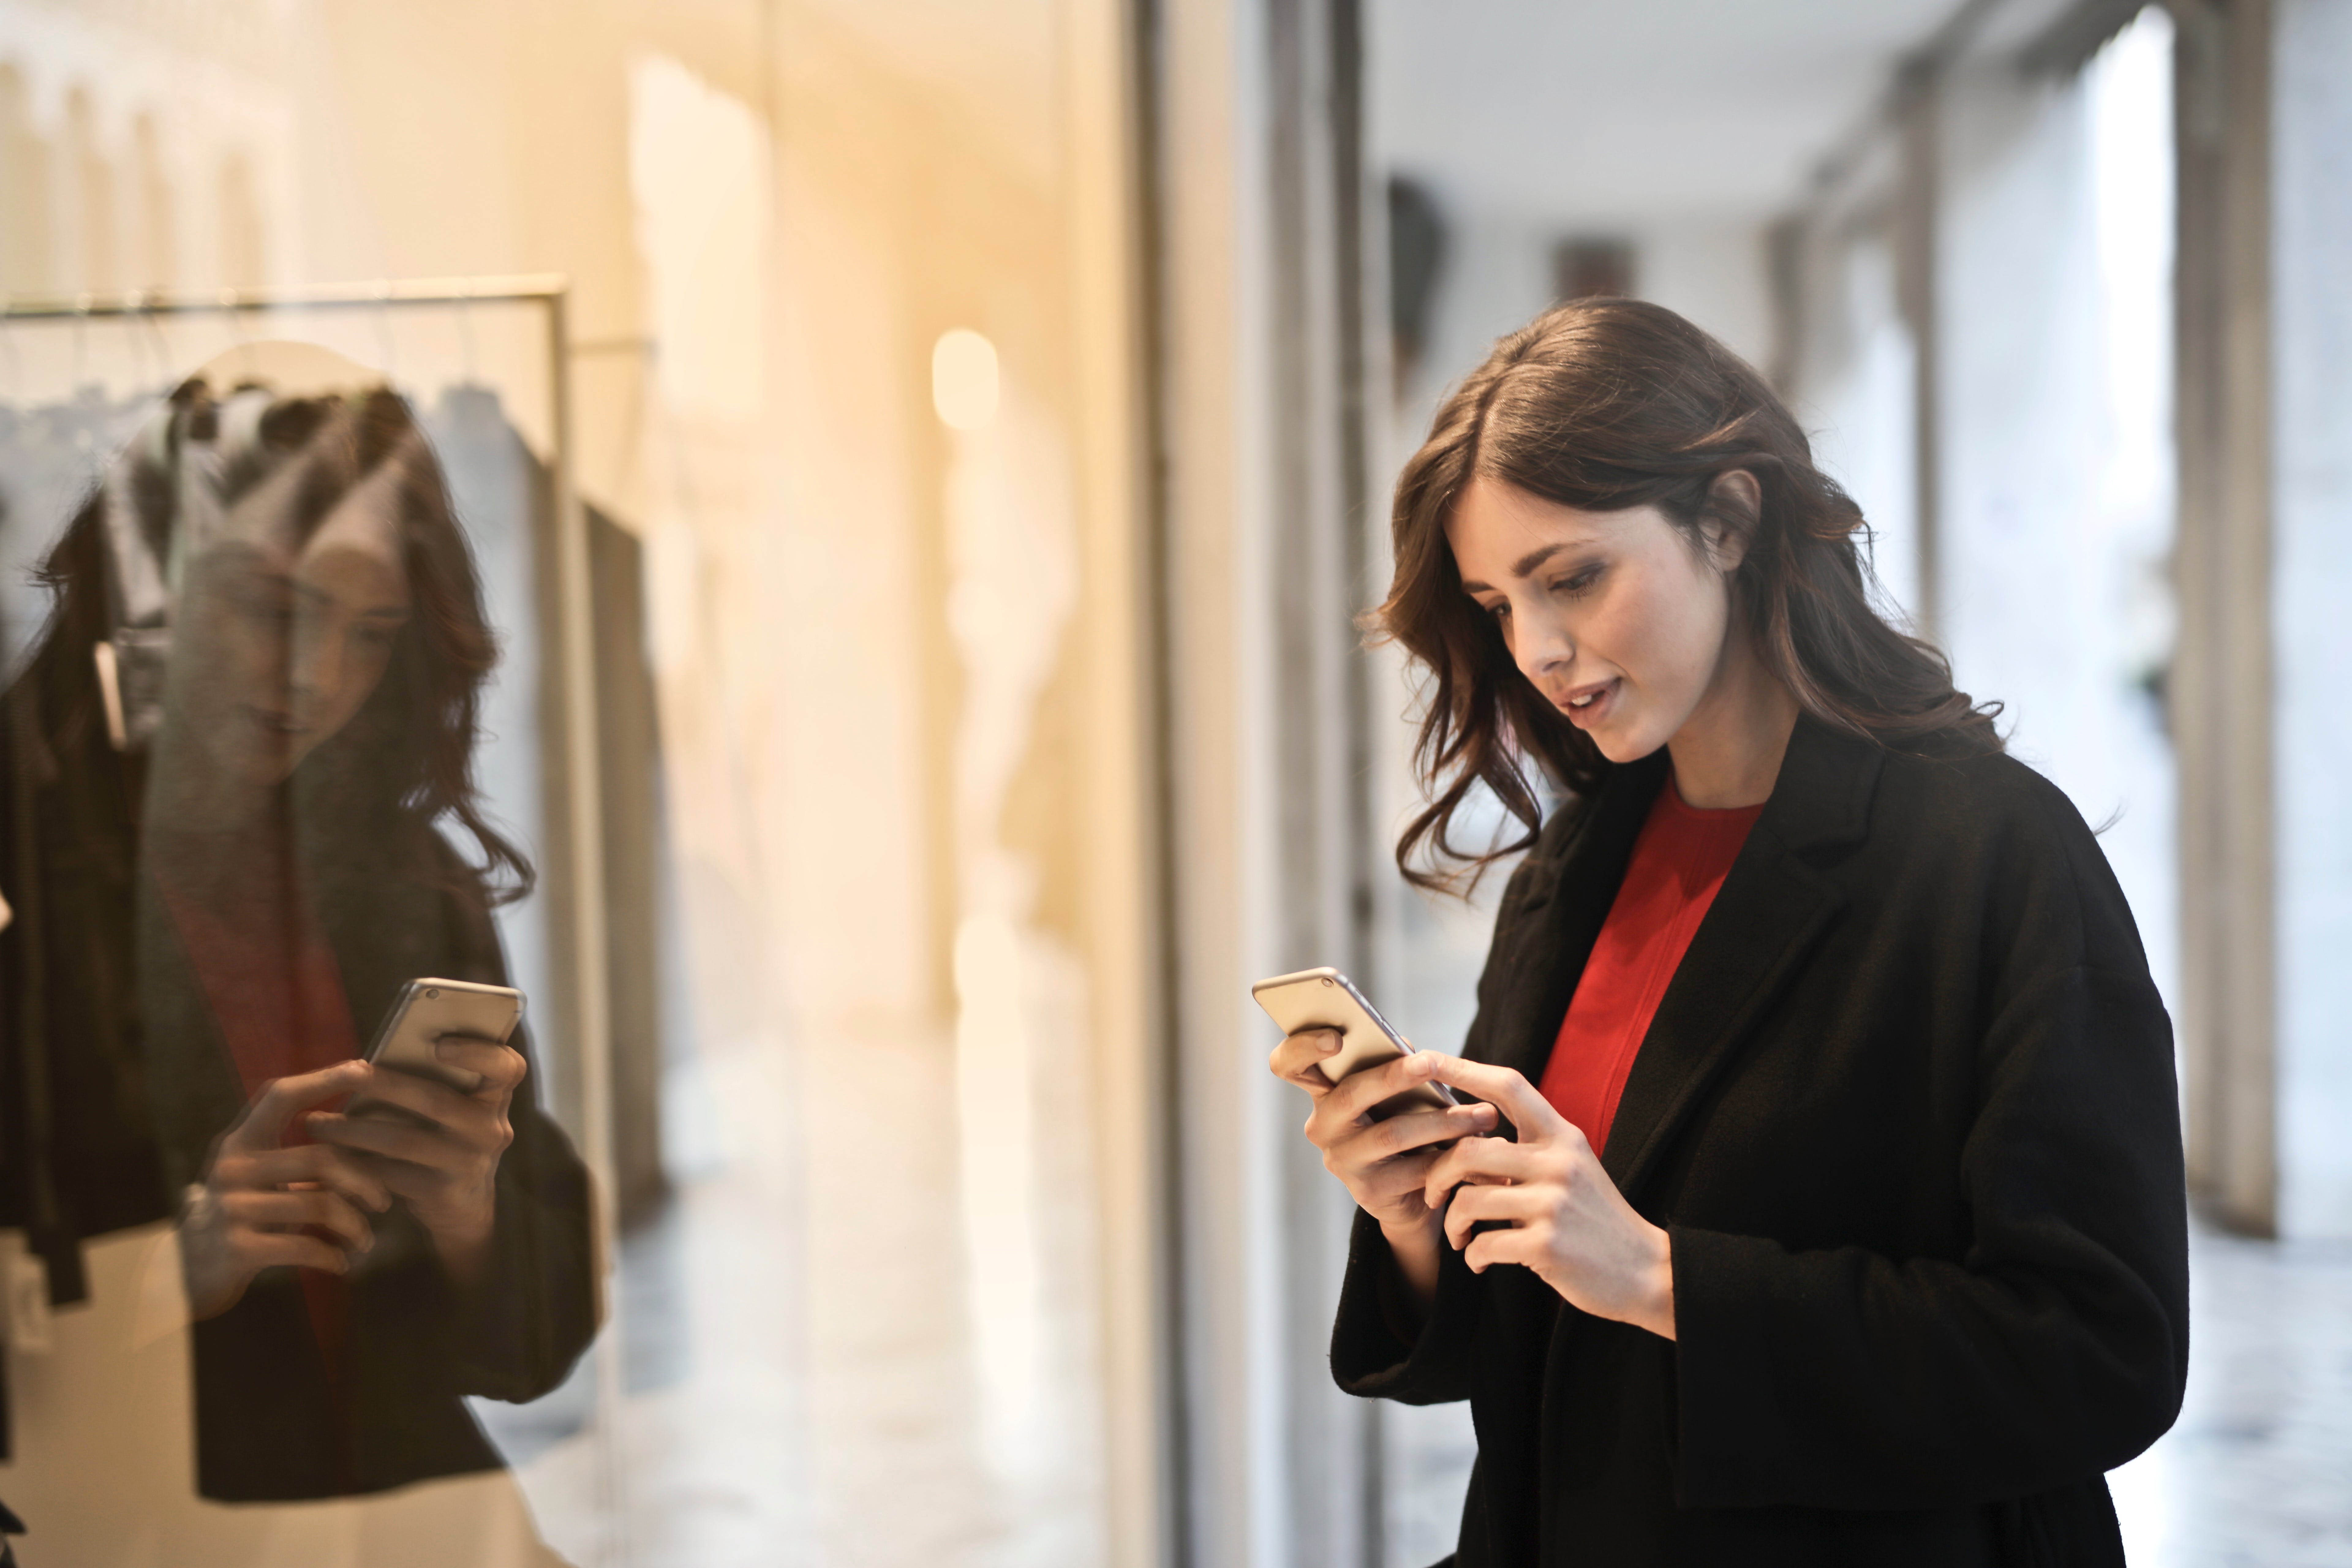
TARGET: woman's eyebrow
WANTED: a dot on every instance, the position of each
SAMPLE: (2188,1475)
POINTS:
(1526,564)
(311,592)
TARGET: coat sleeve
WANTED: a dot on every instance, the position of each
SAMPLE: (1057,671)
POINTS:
(524,1324)
(535,1309)
(2054,1350)
(1373,1355)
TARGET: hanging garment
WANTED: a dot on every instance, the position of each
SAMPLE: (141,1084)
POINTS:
(51,459)
(120,1074)
(506,494)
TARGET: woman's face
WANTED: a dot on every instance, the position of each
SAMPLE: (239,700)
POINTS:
(1612,615)
(280,641)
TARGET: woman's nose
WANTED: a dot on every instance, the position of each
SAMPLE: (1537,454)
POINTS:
(318,662)
(1543,651)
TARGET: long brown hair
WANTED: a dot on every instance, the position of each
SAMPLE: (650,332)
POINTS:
(414,740)
(1604,404)
(406,760)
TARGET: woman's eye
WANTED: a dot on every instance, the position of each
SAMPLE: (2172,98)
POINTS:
(1499,611)
(1576,583)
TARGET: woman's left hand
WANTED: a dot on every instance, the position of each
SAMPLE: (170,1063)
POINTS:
(1567,1221)
(441,1158)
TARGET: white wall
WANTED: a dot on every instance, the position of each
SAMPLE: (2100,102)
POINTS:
(2055,505)
(2311,590)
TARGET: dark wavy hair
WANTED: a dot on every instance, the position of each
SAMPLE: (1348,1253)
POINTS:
(405,759)
(1604,404)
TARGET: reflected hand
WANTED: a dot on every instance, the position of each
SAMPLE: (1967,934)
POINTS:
(1384,1166)
(261,1203)
(1565,1219)
(441,1157)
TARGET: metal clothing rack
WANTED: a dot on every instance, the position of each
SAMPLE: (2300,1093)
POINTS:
(582,930)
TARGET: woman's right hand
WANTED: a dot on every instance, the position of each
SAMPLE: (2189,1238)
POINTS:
(1383,1165)
(261,1201)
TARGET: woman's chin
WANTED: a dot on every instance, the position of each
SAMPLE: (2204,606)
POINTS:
(261,765)
(1622,743)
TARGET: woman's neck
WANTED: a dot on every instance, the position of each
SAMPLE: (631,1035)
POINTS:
(188,791)
(1728,753)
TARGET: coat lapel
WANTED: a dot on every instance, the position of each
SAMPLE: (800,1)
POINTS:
(1771,909)
(1550,934)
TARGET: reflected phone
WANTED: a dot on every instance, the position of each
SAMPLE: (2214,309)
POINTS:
(1327,999)
(427,1009)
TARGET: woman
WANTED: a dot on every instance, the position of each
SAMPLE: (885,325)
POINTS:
(1818,1197)
(231,760)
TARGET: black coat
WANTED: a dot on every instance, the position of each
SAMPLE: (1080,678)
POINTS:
(115,1082)
(1908,1112)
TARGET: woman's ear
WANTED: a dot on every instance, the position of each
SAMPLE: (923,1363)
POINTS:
(1734,501)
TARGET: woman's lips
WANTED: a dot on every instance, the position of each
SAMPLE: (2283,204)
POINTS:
(1588,705)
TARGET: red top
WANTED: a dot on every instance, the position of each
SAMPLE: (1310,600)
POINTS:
(276,992)
(1679,861)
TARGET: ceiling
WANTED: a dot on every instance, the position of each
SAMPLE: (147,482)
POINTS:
(1629,111)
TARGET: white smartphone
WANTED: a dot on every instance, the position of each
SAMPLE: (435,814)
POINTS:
(1327,999)
(427,1009)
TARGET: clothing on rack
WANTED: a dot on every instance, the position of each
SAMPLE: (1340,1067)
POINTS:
(147,942)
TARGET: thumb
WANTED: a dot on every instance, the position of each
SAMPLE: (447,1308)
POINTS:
(263,1126)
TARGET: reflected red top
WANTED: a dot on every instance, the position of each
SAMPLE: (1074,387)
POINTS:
(278,1005)
(275,994)
(1679,861)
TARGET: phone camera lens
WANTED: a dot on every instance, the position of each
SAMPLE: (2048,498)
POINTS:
(432,995)
(1327,979)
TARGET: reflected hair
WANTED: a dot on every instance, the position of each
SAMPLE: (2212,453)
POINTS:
(417,733)
(1605,404)
(409,751)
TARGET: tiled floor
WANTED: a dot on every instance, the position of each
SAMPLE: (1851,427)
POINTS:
(799,1365)
(2257,1473)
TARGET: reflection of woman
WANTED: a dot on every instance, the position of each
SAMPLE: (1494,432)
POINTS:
(210,922)
(1829,1206)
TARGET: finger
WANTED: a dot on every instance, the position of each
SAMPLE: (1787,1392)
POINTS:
(1359,1092)
(1474,1205)
(390,1140)
(1298,1059)
(291,1249)
(499,1068)
(1506,1088)
(263,1125)
(1489,1247)
(421,1096)
(327,1166)
(1382,1182)
(1488,1160)
(1418,1129)
(292,1211)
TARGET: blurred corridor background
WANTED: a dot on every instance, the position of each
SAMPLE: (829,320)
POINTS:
(924,459)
